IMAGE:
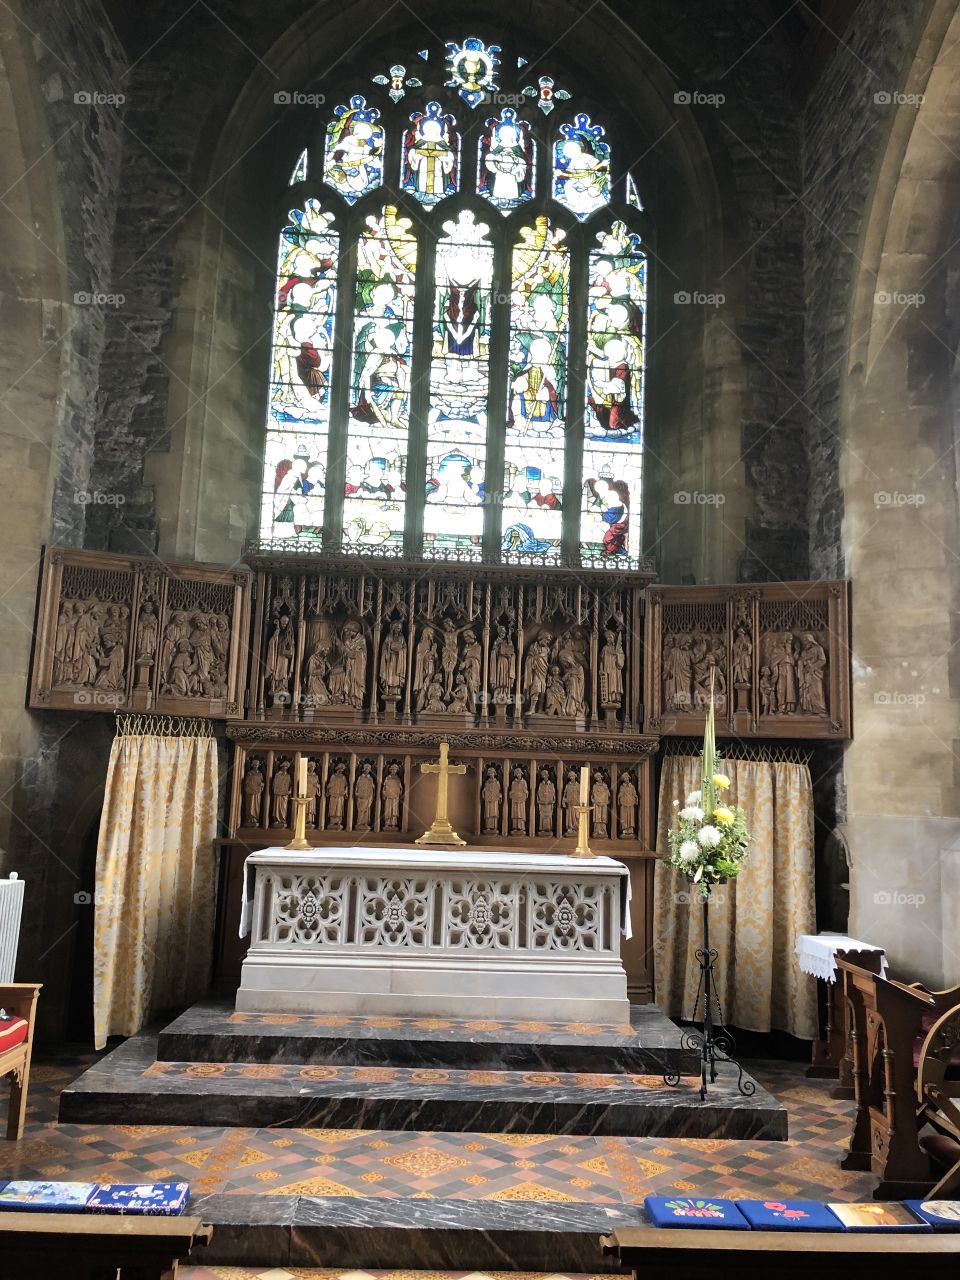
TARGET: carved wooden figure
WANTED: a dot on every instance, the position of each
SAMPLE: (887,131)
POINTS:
(546,803)
(519,795)
(253,784)
(611,671)
(627,801)
(364,791)
(337,797)
(600,800)
(392,795)
(281,788)
(312,792)
(491,795)
(571,798)
(393,663)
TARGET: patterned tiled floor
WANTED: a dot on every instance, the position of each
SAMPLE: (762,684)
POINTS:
(467,1166)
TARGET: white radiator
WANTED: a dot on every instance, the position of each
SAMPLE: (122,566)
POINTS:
(11,907)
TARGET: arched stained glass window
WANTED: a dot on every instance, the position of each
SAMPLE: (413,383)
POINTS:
(459,345)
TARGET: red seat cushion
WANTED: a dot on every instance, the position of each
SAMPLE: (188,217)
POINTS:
(12,1033)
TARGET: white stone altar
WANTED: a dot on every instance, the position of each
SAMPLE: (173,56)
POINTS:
(460,934)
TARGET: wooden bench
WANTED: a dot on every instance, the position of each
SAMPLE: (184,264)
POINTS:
(95,1246)
(705,1254)
(886,1020)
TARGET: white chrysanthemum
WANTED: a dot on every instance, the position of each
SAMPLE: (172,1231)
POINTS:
(692,813)
(689,851)
(709,836)
(694,797)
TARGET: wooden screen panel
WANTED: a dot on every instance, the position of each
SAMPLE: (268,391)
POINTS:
(778,652)
(119,633)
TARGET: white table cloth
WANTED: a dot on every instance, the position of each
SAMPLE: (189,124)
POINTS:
(817,953)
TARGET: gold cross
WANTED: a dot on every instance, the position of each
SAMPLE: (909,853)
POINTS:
(440,831)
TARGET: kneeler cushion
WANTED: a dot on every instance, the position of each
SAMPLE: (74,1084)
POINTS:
(788,1215)
(681,1211)
(12,1033)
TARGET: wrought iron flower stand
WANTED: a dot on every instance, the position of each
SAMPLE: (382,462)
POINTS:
(710,1040)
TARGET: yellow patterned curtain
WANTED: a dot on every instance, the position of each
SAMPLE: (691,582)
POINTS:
(754,921)
(153,926)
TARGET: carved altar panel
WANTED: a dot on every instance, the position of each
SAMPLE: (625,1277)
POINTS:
(123,633)
(777,654)
(455,645)
(520,790)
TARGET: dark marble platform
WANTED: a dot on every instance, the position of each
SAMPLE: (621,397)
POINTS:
(130,1086)
(212,1032)
(436,1234)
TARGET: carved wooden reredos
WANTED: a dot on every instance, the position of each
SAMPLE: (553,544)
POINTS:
(363,667)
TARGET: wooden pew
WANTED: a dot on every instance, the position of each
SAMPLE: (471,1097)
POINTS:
(938,1096)
(96,1246)
(885,1020)
(705,1254)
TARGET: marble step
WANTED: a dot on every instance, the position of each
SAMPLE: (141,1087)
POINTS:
(129,1086)
(212,1032)
(419,1236)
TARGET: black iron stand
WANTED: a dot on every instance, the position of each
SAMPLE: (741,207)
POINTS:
(711,1040)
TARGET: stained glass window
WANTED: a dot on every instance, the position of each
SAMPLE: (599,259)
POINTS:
(353,155)
(299,169)
(537,392)
(299,414)
(506,171)
(379,402)
(446,381)
(581,167)
(613,414)
(431,155)
(459,386)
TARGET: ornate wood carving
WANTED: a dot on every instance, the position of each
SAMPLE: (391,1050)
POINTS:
(520,789)
(778,654)
(424,645)
(119,633)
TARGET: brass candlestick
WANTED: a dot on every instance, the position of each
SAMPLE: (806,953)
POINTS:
(300,803)
(582,810)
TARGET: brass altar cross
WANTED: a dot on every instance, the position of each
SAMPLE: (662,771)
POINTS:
(440,831)
(583,810)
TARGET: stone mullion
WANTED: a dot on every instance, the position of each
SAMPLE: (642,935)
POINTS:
(573,417)
(497,399)
(340,383)
(420,365)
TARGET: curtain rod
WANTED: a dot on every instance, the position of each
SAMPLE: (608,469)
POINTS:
(759,753)
(141,725)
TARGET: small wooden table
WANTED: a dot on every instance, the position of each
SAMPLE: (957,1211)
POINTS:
(89,1246)
(817,955)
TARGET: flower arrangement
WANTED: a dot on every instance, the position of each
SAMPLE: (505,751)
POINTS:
(710,840)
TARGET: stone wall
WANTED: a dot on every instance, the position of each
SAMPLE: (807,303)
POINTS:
(846,125)
(60,168)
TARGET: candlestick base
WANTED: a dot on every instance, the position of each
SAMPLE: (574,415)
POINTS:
(440,832)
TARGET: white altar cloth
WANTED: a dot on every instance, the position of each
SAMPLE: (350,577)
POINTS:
(817,953)
(450,933)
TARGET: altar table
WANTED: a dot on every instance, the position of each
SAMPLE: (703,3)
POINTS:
(438,933)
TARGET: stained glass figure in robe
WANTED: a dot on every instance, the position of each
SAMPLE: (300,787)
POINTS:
(353,153)
(459,386)
(507,161)
(536,409)
(473,69)
(581,167)
(613,418)
(296,445)
(379,413)
(430,166)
